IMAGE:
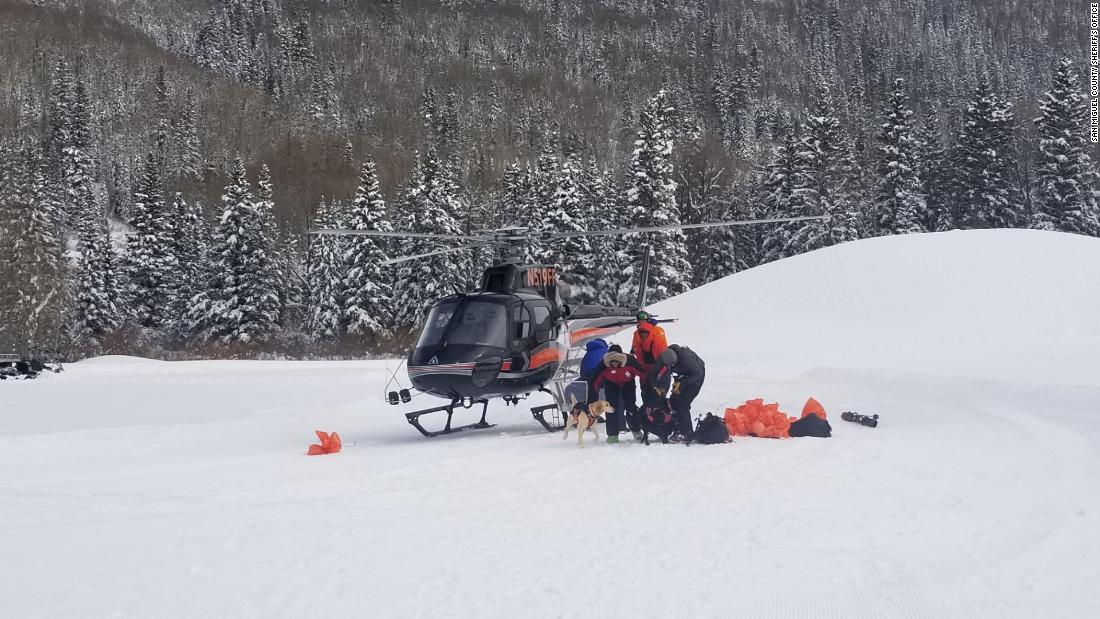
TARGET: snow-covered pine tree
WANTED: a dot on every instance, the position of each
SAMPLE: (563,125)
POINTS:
(983,158)
(1065,176)
(189,244)
(151,267)
(734,248)
(325,273)
(651,201)
(543,180)
(97,311)
(785,192)
(58,114)
(430,205)
(603,213)
(186,137)
(277,289)
(368,289)
(572,255)
(825,155)
(933,172)
(238,305)
(162,133)
(30,289)
(899,206)
(516,193)
(78,167)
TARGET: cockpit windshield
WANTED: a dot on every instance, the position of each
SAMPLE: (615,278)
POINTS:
(466,321)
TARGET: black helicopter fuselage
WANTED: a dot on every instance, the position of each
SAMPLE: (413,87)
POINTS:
(487,344)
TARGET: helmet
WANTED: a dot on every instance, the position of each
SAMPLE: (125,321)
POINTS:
(643,316)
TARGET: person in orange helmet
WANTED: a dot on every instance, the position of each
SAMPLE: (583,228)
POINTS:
(649,340)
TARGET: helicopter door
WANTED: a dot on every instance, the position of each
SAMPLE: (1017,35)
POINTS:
(521,326)
(544,327)
(520,337)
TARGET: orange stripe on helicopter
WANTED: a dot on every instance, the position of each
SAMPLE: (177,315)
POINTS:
(582,334)
(552,354)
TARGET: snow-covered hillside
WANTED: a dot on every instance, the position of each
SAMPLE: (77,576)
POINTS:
(138,488)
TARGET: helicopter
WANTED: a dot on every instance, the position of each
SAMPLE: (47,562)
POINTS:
(517,333)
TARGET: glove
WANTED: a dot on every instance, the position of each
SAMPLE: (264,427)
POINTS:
(676,388)
(660,392)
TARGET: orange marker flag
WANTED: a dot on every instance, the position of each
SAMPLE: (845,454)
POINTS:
(330,444)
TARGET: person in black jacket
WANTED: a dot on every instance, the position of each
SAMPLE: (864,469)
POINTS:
(679,373)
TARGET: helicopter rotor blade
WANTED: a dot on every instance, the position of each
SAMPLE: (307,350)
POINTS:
(390,261)
(746,222)
(410,235)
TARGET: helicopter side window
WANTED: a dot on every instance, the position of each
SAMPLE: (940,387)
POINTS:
(543,325)
(521,324)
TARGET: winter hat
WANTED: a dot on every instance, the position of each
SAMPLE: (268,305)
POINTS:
(615,348)
(596,344)
(614,357)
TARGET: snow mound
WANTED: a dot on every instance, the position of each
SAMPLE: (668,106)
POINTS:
(1002,304)
(117,360)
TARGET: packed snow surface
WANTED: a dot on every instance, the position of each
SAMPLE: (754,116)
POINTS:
(136,488)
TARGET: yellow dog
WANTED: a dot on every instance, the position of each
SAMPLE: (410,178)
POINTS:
(585,418)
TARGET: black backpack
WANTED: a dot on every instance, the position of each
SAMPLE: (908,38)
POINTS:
(711,430)
(811,425)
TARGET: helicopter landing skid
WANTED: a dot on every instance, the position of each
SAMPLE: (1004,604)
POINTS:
(557,419)
(414,418)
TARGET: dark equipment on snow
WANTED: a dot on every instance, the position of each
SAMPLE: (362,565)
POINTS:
(517,333)
(863,420)
(16,367)
(811,425)
(711,430)
(659,421)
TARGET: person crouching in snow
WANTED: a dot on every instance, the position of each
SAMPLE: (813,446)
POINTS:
(590,366)
(678,372)
(649,340)
(593,356)
(617,377)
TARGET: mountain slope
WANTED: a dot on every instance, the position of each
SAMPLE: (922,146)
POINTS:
(1006,304)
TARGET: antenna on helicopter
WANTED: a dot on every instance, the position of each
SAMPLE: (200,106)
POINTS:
(643,286)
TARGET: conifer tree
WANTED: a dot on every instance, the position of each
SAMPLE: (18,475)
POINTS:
(98,312)
(325,273)
(151,266)
(1065,176)
(733,248)
(277,288)
(430,205)
(368,289)
(825,156)
(786,192)
(186,137)
(515,195)
(189,249)
(572,255)
(30,289)
(932,170)
(162,134)
(983,158)
(651,201)
(238,306)
(899,207)
(603,213)
(78,166)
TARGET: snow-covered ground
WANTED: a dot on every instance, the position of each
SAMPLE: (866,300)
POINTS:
(136,488)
